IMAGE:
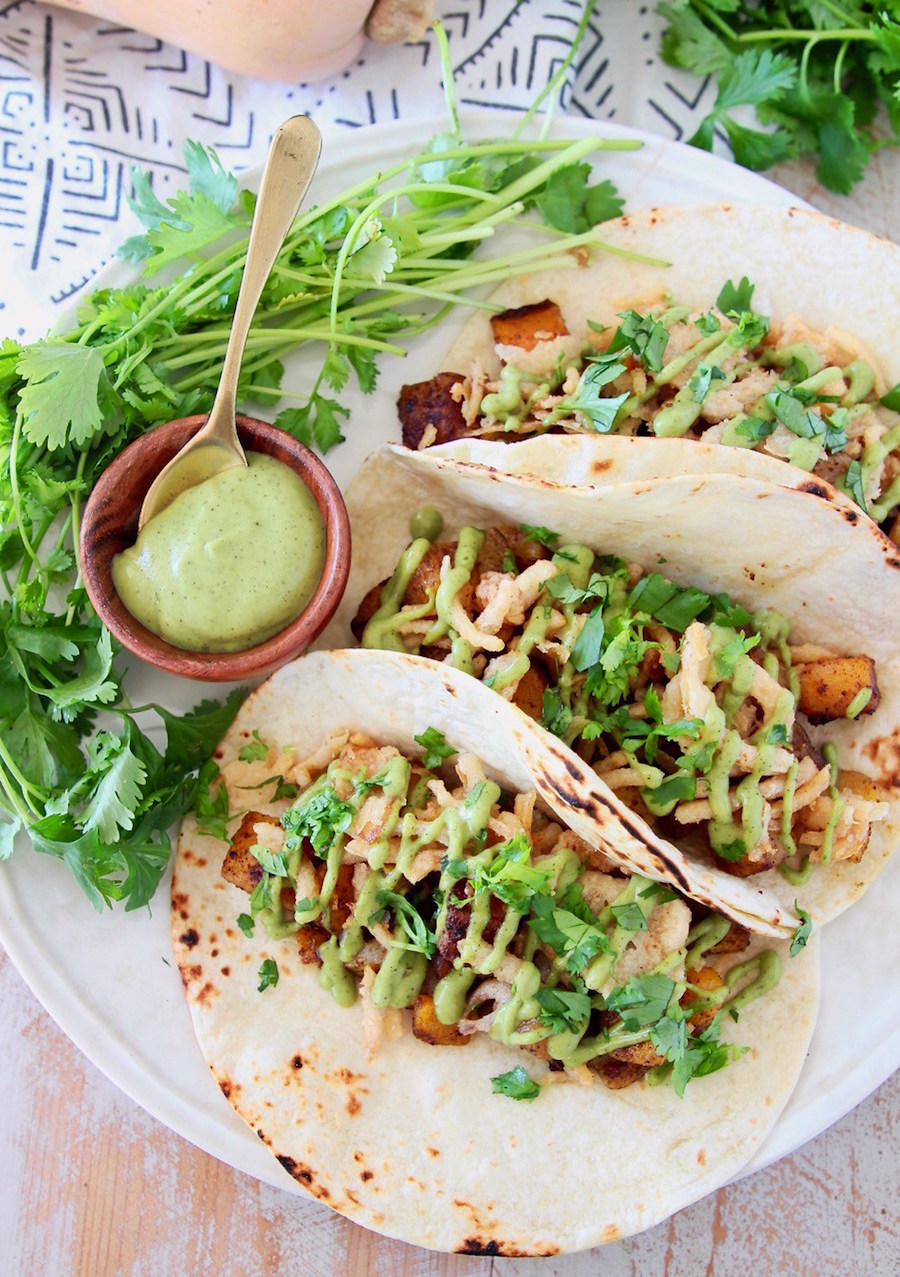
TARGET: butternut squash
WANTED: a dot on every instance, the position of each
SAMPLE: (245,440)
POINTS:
(289,40)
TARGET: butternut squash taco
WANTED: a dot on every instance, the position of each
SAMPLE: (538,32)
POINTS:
(450,1017)
(764,347)
(714,659)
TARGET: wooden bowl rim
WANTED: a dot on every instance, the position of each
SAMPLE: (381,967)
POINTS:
(105,532)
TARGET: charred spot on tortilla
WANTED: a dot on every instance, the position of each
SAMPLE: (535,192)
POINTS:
(297,1061)
(474,1246)
(294,1168)
(189,938)
(814,489)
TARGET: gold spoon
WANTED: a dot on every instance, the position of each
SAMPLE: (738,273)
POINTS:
(290,165)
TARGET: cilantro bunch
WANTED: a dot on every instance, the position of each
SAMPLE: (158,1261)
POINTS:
(826,73)
(382,261)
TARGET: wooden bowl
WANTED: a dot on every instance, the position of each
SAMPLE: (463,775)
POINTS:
(109,525)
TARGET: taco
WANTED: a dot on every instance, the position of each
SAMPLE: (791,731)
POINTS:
(425,943)
(716,654)
(761,349)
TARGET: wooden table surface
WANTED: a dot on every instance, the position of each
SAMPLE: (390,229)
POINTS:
(91,1186)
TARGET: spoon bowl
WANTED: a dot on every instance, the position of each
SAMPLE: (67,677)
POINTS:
(110,525)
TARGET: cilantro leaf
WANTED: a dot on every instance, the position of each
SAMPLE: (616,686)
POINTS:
(321,818)
(587,647)
(563,1009)
(853,484)
(535,532)
(59,402)
(435,746)
(642,1000)
(256,751)
(735,299)
(803,932)
(644,336)
(267,975)
(569,204)
(516,1084)
(192,737)
(210,802)
(419,937)
(510,875)
(208,177)
(273,863)
(115,798)
(246,923)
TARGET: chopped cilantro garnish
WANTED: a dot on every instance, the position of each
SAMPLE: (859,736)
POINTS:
(666,796)
(322,819)
(853,484)
(735,299)
(587,647)
(672,605)
(567,934)
(419,937)
(892,398)
(211,802)
(284,789)
(246,923)
(516,1084)
(535,532)
(730,850)
(803,932)
(600,410)
(630,917)
(642,1001)
(256,751)
(789,408)
(435,746)
(658,892)
(510,876)
(274,864)
(755,429)
(644,336)
(700,383)
(268,974)
(563,1009)
(555,716)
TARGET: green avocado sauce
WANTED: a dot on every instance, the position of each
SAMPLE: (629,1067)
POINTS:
(229,563)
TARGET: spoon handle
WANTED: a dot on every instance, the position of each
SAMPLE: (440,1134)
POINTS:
(290,165)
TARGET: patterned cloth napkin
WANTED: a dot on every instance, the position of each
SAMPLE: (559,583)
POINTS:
(82,101)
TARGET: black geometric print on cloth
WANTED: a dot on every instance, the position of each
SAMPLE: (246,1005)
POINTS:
(82,101)
(611,75)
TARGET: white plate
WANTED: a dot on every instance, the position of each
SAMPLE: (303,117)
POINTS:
(110,982)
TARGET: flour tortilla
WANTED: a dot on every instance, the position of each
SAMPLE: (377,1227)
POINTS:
(822,564)
(413,1143)
(828,274)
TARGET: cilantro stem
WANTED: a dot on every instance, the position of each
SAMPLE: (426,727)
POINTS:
(14,488)
(443,45)
(556,80)
(774,34)
(24,785)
